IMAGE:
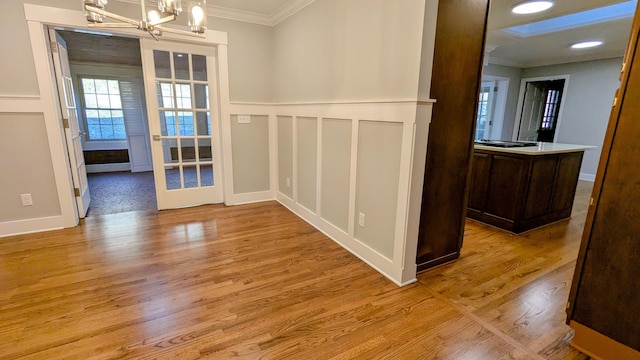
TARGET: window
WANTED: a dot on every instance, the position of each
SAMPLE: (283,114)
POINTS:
(483,112)
(550,110)
(104,118)
(177,115)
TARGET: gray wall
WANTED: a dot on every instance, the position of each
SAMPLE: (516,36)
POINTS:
(514,75)
(25,165)
(377,181)
(250,154)
(592,85)
(336,171)
(349,50)
(285,155)
(250,76)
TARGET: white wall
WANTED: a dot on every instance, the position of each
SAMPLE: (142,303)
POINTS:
(592,85)
(336,50)
(514,75)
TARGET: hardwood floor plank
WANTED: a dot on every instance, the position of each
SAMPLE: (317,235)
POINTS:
(255,281)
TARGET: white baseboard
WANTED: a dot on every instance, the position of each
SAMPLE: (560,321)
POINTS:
(100,168)
(20,227)
(248,198)
(369,256)
(587,177)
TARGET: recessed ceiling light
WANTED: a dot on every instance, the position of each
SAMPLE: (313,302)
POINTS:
(530,7)
(586,44)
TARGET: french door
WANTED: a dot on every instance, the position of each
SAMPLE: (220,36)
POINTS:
(183,113)
(73,136)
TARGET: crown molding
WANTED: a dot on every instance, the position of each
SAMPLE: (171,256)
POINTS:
(287,10)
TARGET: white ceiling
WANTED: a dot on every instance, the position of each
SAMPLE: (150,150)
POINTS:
(553,48)
(262,7)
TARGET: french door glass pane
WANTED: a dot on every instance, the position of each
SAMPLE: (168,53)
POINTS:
(206,175)
(201,92)
(165,94)
(181,66)
(186,123)
(204,149)
(170,151)
(190,174)
(188,148)
(199,67)
(172,177)
(203,123)
(162,62)
(168,125)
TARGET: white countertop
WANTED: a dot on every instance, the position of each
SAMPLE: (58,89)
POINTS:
(543,148)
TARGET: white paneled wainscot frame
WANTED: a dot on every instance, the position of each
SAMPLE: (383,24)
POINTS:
(329,162)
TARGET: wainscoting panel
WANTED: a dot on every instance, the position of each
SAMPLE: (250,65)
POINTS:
(336,172)
(364,184)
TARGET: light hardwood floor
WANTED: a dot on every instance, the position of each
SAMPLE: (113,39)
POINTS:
(255,281)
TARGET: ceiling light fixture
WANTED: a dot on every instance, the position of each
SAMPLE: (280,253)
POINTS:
(531,7)
(587,44)
(151,22)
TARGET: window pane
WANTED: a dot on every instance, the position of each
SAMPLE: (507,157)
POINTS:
(88,86)
(92,117)
(103,101)
(117,117)
(107,132)
(115,101)
(101,86)
(114,89)
(90,100)
(105,116)
(181,66)
(186,123)
(201,93)
(199,67)
(119,132)
(94,132)
(162,62)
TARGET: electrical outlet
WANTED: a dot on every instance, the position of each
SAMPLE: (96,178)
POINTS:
(361,220)
(26,199)
(288,182)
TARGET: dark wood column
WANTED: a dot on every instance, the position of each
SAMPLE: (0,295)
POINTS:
(457,69)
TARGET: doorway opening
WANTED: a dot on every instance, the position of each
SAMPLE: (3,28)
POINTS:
(492,101)
(540,109)
(106,73)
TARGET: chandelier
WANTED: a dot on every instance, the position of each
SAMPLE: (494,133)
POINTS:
(152,21)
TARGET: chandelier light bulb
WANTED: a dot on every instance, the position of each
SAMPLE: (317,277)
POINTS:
(198,15)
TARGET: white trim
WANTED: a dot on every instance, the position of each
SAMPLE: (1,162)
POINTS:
(28,226)
(114,167)
(248,198)
(523,83)
(587,177)
(287,10)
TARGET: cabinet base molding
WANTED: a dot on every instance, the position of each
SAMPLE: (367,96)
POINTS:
(598,346)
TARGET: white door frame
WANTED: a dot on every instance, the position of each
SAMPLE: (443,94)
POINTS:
(523,84)
(39,19)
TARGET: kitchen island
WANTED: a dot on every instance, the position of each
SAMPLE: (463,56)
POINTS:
(521,186)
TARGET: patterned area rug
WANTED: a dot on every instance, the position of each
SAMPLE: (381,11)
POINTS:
(118,192)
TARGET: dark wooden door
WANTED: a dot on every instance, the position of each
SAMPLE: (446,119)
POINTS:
(605,294)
